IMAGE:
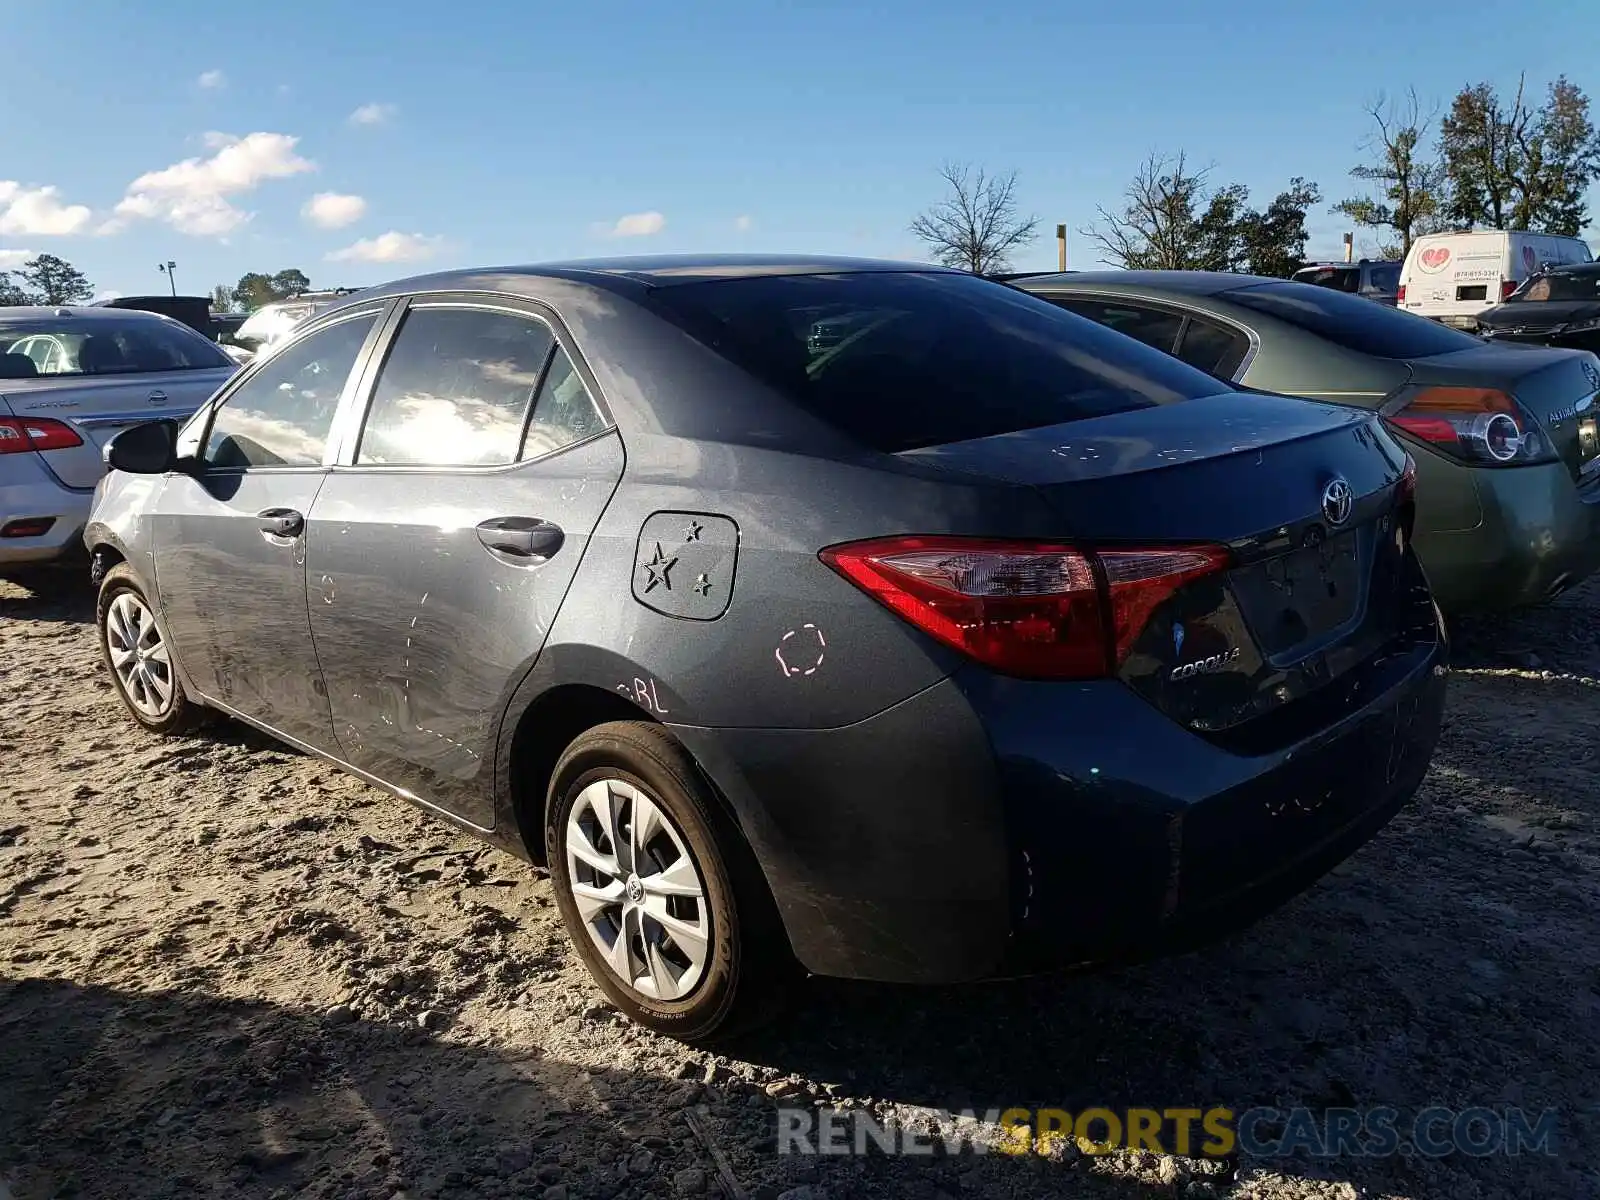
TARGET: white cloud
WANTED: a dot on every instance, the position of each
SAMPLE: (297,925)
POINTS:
(38,212)
(331,210)
(744,224)
(212,79)
(393,246)
(10,260)
(192,195)
(639,225)
(373,114)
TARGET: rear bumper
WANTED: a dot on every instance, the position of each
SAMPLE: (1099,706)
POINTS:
(29,491)
(990,826)
(1539,535)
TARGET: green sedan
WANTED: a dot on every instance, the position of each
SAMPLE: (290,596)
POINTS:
(1504,437)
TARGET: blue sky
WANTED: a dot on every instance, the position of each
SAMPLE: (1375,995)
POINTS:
(260,136)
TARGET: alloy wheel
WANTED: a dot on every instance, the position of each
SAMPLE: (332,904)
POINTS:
(637,889)
(139,656)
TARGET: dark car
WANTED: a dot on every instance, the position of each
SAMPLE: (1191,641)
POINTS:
(1508,510)
(193,311)
(985,641)
(1559,306)
(1371,279)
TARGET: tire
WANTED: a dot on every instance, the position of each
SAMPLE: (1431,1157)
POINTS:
(634,768)
(149,687)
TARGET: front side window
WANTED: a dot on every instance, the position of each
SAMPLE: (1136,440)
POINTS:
(109,346)
(455,389)
(924,358)
(1352,322)
(282,414)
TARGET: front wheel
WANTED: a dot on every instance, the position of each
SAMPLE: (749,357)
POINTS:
(658,891)
(139,659)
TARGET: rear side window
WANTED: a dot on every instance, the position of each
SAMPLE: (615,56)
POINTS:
(1215,349)
(470,387)
(910,359)
(281,415)
(1352,322)
(1385,278)
(1151,326)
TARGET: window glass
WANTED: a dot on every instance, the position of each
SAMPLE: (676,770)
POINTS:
(925,358)
(455,389)
(1149,325)
(281,415)
(1385,277)
(1215,349)
(564,412)
(1580,284)
(1352,322)
(1340,279)
(109,345)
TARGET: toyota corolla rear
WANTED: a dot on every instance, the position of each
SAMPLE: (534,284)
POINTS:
(1187,660)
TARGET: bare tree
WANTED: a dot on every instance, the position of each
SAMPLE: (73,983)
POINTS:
(1411,182)
(1160,226)
(975,227)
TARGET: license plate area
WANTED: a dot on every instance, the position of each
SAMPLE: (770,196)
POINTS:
(1295,600)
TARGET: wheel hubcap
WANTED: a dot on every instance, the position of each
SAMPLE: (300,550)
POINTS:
(139,656)
(637,889)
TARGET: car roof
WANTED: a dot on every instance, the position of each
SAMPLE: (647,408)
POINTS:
(83,312)
(1193,283)
(640,271)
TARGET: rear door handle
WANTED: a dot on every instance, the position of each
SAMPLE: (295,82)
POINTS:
(281,522)
(521,537)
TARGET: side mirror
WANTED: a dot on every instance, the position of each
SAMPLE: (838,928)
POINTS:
(150,448)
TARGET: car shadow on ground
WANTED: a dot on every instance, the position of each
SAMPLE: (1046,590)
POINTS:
(132,1095)
(67,600)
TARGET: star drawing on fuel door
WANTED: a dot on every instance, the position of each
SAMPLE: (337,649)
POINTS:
(692,534)
(702,585)
(659,569)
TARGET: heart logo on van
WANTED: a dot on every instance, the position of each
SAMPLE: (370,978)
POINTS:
(1530,259)
(1434,258)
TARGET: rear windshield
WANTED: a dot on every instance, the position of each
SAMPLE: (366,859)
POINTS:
(902,360)
(102,346)
(1559,286)
(1385,278)
(1351,322)
(1342,279)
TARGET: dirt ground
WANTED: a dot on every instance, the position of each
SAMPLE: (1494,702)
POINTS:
(229,970)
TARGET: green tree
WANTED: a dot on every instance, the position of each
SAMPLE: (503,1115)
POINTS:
(976,227)
(52,280)
(1172,219)
(255,289)
(291,282)
(222,298)
(10,293)
(1513,166)
(1410,189)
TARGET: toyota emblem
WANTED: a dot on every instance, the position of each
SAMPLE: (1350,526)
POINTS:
(1336,501)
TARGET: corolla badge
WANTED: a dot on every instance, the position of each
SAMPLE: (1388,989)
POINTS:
(1205,666)
(1337,500)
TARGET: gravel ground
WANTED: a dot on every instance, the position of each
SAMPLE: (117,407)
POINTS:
(229,970)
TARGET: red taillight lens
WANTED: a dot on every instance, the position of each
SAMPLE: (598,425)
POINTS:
(1507,286)
(1400,295)
(1030,609)
(18,434)
(1475,425)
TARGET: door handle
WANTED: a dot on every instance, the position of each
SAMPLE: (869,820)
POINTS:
(281,522)
(521,537)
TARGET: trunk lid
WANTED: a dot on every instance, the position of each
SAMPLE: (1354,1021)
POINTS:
(1559,389)
(98,407)
(1320,581)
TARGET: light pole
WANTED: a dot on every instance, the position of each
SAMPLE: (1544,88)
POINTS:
(170,270)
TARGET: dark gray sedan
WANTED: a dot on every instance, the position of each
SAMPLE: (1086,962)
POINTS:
(1508,461)
(912,655)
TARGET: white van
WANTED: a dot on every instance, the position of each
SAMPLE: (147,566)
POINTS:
(1452,277)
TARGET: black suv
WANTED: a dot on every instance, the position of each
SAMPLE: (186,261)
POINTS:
(1374,279)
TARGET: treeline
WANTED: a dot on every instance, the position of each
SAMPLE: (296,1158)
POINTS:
(44,279)
(1490,161)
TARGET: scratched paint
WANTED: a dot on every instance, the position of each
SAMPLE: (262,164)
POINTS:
(644,692)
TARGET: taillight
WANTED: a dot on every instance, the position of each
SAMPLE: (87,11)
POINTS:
(1475,425)
(18,434)
(1400,295)
(1507,286)
(1031,609)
